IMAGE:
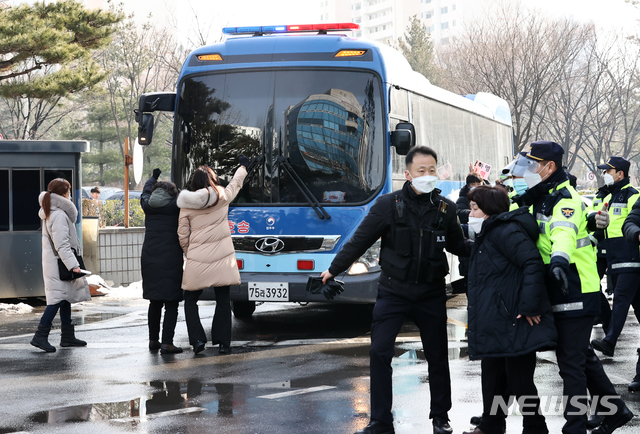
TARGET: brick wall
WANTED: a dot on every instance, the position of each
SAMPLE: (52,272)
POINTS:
(120,250)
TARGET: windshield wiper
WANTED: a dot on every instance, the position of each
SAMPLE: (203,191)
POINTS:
(253,168)
(317,207)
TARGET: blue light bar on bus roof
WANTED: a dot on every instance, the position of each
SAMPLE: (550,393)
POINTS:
(294,28)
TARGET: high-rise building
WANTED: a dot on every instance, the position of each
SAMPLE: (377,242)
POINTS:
(387,20)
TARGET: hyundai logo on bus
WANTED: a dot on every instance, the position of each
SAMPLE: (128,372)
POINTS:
(270,245)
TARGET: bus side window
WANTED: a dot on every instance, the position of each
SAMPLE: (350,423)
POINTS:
(4,200)
(399,104)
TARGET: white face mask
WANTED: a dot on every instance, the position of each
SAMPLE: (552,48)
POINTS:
(475,223)
(608,179)
(532,178)
(424,184)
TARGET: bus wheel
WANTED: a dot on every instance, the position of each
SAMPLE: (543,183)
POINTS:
(243,309)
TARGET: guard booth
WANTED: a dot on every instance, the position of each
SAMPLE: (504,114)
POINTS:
(26,168)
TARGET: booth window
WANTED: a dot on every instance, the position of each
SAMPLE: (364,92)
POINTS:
(25,186)
(51,174)
(4,200)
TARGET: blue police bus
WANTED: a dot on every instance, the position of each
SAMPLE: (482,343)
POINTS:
(327,120)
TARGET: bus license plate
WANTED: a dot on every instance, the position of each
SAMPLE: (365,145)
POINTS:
(268,291)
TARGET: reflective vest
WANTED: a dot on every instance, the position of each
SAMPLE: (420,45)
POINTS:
(622,256)
(512,205)
(563,233)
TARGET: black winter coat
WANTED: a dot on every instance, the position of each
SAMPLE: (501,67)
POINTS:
(161,258)
(418,256)
(506,279)
(463,205)
(631,226)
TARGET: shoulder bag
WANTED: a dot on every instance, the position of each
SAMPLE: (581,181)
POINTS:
(65,274)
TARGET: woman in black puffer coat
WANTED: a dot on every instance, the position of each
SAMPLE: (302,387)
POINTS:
(509,310)
(161,261)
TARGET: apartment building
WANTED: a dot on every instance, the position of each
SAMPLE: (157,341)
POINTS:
(386,20)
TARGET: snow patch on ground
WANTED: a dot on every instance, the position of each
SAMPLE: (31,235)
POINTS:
(132,291)
(15,309)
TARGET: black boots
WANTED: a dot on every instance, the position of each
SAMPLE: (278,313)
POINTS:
(40,339)
(68,338)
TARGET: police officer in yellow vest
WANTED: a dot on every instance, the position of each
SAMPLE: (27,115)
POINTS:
(598,238)
(572,282)
(623,257)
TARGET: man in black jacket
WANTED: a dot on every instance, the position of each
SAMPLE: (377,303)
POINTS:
(416,224)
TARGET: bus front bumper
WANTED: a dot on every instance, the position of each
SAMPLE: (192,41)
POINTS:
(358,289)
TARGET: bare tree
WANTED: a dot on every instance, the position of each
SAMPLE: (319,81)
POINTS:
(517,54)
(581,98)
(140,62)
(624,73)
(197,32)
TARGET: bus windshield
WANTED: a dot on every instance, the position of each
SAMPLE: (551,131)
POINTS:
(327,124)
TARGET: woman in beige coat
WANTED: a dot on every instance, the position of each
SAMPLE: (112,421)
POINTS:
(203,231)
(59,240)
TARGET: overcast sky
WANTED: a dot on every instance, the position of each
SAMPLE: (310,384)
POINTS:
(260,12)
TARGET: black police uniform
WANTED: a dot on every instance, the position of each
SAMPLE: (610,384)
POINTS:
(415,229)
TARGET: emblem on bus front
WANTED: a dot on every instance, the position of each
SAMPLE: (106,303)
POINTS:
(269,245)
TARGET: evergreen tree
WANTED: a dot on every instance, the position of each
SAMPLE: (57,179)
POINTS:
(103,165)
(417,47)
(54,37)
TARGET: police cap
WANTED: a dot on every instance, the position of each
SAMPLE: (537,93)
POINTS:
(545,150)
(617,163)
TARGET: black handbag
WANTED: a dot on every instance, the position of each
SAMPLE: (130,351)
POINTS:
(66,274)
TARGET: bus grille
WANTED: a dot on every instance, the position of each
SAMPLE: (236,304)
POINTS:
(266,244)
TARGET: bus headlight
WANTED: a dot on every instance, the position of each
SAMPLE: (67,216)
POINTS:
(368,263)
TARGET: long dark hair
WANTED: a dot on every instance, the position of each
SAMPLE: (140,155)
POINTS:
(59,186)
(204,177)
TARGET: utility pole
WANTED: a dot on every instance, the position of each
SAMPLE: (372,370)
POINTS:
(127,161)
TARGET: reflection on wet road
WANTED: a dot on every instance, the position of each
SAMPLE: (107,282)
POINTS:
(294,369)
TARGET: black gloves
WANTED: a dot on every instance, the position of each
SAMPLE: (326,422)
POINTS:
(329,290)
(244,161)
(559,274)
(156,173)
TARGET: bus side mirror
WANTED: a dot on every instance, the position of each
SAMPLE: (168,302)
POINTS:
(145,129)
(152,102)
(403,138)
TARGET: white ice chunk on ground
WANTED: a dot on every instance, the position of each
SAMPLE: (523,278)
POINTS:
(15,309)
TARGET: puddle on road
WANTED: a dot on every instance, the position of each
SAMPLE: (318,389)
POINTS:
(170,399)
(456,336)
(79,318)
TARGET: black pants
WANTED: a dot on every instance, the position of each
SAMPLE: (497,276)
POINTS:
(169,323)
(505,377)
(221,326)
(605,309)
(52,309)
(625,294)
(580,368)
(430,316)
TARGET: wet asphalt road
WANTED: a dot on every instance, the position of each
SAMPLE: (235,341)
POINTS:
(294,369)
